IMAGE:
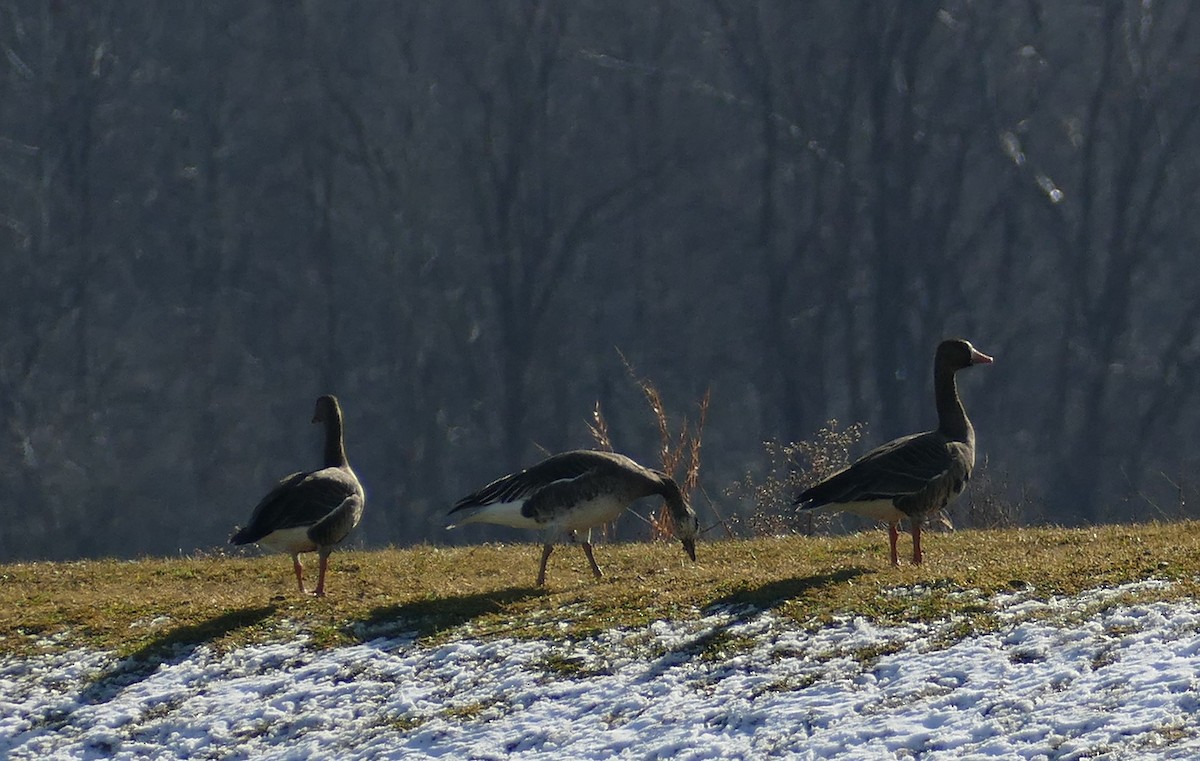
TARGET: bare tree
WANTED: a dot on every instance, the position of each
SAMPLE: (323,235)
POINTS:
(537,200)
(1109,196)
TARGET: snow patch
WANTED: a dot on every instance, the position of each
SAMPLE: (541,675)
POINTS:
(1069,677)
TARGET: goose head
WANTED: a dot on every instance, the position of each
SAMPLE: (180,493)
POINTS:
(686,532)
(327,409)
(956,353)
(687,525)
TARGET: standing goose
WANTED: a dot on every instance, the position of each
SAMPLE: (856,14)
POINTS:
(313,511)
(916,475)
(574,491)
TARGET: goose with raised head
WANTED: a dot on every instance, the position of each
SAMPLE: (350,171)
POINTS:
(572,492)
(914,476)
(310,511)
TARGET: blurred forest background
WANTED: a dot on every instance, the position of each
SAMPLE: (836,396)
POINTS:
(455,214)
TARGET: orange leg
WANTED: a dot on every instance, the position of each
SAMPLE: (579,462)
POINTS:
(299,569)
(320,590)
(893,534)
(587,550)
(916,535)
(546,550)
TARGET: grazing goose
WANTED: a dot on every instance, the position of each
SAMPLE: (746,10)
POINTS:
(313,511)
(571,492)
(916,475)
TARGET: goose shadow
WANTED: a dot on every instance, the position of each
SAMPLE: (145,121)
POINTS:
(169,647)
(747,602)
(429,616)
(742,605)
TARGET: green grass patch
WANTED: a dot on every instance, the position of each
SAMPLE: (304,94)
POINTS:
(151,608)
(723,645)
(404,723)
(562,666)
(472,711)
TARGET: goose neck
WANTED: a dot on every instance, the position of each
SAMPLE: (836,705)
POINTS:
(952,417)
(335,448)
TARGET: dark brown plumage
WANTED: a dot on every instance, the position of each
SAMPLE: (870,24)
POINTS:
(914,476)
(571,492)
(310,511)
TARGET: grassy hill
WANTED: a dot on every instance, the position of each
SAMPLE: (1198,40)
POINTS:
(147,607)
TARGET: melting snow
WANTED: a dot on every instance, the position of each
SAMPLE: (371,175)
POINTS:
(1068,678)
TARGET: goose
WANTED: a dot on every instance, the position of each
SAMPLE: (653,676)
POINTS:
(310,511)
(574,491)
(913,476)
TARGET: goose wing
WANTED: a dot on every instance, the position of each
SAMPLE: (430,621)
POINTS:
(517,487)
(899,468)
(299,500)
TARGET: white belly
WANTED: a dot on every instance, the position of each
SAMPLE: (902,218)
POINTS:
(290,540)
(876,509)
(586,515)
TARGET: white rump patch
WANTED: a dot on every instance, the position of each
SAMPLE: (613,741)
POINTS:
(499,513)
(289,540)
(577,517)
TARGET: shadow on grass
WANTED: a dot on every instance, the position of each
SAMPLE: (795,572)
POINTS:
(169,647)
(430,616)
(743,605)
(750,601)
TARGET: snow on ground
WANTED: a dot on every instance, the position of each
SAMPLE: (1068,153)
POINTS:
(1083,677)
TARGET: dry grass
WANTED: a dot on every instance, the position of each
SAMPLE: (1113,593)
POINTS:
(990,501)
(792,468)
(155,607)
(675,450)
